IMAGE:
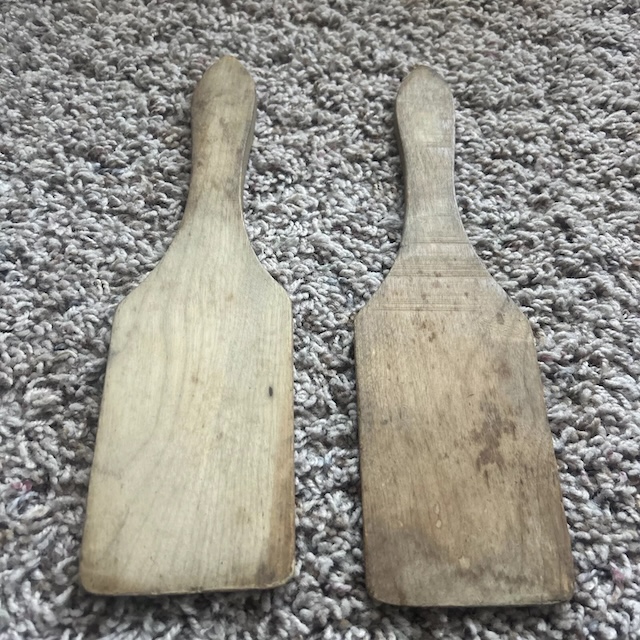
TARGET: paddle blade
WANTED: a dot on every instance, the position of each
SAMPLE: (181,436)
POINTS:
(460,492)
(192,483)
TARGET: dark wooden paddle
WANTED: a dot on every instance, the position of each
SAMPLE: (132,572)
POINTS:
(462,505)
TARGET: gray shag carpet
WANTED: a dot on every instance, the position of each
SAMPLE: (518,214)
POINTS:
(94,170)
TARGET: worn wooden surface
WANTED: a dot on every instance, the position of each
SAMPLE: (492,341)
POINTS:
(461,499)
(192,483)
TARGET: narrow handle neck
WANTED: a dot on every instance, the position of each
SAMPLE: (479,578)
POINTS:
(222,122)
(425,120)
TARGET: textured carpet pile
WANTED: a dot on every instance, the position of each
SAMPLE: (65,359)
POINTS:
(94,170)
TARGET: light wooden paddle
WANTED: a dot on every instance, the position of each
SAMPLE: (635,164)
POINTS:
(192,482)
(461,500)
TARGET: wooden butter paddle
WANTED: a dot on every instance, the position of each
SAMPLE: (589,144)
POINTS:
(461,500)
(192,481)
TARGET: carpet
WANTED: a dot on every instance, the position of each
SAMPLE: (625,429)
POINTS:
(94,171)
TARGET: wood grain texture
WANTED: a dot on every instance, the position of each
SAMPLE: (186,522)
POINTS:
(462,505)
(192,482)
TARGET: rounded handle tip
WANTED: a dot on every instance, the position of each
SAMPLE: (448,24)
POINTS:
(227,71)
(423,86)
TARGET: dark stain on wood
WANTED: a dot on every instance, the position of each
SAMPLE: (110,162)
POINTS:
(491,454)
(503,369)
(495,426)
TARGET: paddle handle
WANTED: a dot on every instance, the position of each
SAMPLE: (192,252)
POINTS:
(425,122)
(223,118)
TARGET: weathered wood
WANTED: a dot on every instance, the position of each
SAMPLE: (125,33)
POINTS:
(192,482)
(462,505)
